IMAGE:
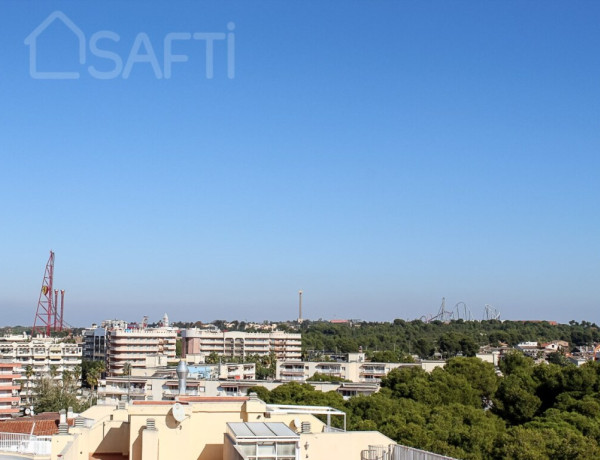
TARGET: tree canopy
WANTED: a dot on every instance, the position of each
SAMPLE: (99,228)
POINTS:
(465,410)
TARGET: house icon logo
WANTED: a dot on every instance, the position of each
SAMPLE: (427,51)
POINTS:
(32,41)
(98,51)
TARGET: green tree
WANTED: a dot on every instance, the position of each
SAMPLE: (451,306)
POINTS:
(480,375)
(29,372)
(213,358)
(516,362)
(558,358)
(424,348)
(53,370)
(54,395)
(92,379)
(515,400)
(318,377)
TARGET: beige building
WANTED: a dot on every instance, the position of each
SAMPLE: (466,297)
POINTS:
(163,388)
(156,384)
(38,358)
(199,428)
(203,342)
(357,369)
(132,347)
(358,372)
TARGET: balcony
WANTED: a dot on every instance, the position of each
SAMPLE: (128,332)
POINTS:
(376,372)
(25,444)
(187,393)
(288,372)
(121,390)
(10,386)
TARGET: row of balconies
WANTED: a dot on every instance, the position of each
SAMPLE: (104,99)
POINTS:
(142,336)
(115,343)
(9,386)
(373,369)
(291,367)
(187,392)
(126,356)
(144,351)
(286,372)
(120,390)
(292,378)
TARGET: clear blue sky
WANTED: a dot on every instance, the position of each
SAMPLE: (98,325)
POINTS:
(378,155)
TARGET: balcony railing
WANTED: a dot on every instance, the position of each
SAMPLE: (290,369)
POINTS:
(25,444)
(120,390)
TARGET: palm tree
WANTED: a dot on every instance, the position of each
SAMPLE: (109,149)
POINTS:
(53,370)
(127,369)
(77,372)
(92,378)
(127,372)
(28,374)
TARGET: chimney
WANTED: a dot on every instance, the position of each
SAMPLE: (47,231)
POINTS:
(182,373)
(63,427)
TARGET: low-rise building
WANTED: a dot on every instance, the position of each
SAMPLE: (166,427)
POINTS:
(156,383)
(355,369)
(203,342)
(201,428)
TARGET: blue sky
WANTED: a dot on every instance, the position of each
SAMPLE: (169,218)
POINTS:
(379,155)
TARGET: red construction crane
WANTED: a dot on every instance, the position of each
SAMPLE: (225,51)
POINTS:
(48,317)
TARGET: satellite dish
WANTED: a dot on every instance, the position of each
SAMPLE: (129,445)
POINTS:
(28,411)
(297,423)
(178,412)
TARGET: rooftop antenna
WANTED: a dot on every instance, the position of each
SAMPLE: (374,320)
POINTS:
(300,307)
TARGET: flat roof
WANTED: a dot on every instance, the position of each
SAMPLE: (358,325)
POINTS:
(255,430)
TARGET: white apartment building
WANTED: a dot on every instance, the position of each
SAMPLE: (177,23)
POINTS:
(132,347)
(358,372)
(164,385)
(241,344)
(41,357)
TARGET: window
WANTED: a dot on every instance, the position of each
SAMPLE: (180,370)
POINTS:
(269,451)
(265,450)
(286,449)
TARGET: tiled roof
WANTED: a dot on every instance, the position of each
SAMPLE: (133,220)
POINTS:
(46,424)
(40,427)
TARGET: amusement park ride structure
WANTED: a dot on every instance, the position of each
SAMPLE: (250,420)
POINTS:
(460,311)
(48,317)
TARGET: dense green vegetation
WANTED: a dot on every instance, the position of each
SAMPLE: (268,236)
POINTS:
(56,394)
(318,377)
(466,411)
(424,339)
